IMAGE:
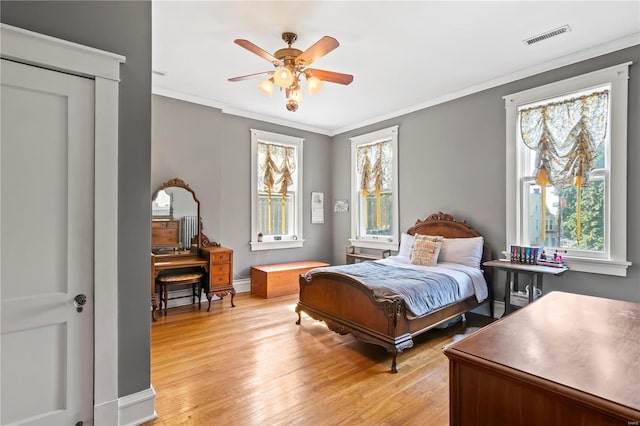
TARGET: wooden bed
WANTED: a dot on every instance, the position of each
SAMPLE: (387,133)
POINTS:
(348,306)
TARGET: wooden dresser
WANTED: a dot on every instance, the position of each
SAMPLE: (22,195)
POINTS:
(221,272)
(565,359)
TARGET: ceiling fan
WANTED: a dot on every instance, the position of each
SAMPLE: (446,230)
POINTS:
(291,65)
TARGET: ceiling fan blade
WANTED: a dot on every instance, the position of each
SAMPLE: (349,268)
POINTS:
(255,49)
(256,75)
(323,46)
(332,77)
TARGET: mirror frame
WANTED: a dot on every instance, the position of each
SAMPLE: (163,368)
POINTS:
(203,240)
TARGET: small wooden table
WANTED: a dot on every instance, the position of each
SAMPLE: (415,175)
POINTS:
(567,359)
(536,272)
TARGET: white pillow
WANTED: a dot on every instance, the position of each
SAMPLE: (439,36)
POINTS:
(467,251)
(406,245)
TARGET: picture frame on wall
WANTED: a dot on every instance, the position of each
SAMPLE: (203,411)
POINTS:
(317,207)
(341,206)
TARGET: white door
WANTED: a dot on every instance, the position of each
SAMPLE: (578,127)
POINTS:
(47,176)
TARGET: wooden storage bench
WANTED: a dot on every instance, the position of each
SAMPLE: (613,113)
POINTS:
(279,279)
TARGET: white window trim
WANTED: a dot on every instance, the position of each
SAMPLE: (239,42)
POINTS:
(616,263)
(260,135)
(383,243)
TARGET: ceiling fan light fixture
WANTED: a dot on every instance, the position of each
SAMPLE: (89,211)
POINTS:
(266,87)
(313,85)
(291,66)
(295,95)
(283,77)
(292,105)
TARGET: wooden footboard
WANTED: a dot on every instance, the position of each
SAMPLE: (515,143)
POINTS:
(348,306)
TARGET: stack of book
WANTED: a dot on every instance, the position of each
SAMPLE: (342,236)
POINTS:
(534,256)
(526,255)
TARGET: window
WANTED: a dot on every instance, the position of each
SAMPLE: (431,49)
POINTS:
(374,189)
(276,191)
(566,170)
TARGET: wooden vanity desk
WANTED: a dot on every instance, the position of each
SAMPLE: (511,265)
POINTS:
(176,223)
(216,262)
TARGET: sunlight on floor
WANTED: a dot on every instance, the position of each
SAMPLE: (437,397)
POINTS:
(315,323)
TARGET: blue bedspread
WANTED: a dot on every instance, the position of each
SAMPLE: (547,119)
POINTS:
(422,290)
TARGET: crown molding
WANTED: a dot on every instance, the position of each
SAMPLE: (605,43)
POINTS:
(226,109)
(592,52)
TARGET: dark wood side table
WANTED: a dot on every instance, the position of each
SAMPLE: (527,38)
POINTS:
(567,359)
(513,269)
(354,256)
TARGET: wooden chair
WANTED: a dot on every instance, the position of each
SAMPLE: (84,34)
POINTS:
(193,278)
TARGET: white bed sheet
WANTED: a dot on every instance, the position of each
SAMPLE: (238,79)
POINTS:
(470,280)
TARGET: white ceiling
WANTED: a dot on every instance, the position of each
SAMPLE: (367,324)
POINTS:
(404,55)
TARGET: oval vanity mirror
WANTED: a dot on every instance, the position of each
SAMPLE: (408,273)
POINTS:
(175,224)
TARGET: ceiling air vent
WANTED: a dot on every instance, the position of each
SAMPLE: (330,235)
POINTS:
(547,35)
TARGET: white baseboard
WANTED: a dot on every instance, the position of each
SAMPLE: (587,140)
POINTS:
(105,413)
(241,286)
(137,408)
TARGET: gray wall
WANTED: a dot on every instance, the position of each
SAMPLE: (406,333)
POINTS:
(452,159)
(123,28)
(211,152)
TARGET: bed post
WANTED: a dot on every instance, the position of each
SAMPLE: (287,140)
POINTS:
(394,365)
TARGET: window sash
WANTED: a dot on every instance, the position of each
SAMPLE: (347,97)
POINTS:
(527,234)
(276,215)
(386,207)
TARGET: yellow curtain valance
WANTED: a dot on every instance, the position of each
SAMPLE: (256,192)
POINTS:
(565,136)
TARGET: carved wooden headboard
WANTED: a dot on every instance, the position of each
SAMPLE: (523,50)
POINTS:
(447,226)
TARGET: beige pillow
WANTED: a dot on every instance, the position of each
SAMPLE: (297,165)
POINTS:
(425,250)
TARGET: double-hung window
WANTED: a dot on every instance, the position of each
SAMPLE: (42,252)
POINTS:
(566,170)
(374,189)
(276,191)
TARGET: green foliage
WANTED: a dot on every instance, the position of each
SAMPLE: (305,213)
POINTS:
(592,220)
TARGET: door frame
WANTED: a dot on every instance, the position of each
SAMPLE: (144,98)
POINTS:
(104,68)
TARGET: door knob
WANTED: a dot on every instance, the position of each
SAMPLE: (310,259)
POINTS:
(78,301)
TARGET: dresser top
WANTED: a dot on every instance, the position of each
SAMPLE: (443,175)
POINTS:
(588,344)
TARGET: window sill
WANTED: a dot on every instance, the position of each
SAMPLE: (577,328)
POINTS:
(275,245)
(597,266)
(375,244)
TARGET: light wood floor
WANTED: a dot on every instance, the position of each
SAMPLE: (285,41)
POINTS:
(252,365)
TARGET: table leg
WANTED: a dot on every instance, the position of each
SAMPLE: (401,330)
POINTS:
(154,307)
(532,287)
(507,293)
(536,283)
(540,284)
